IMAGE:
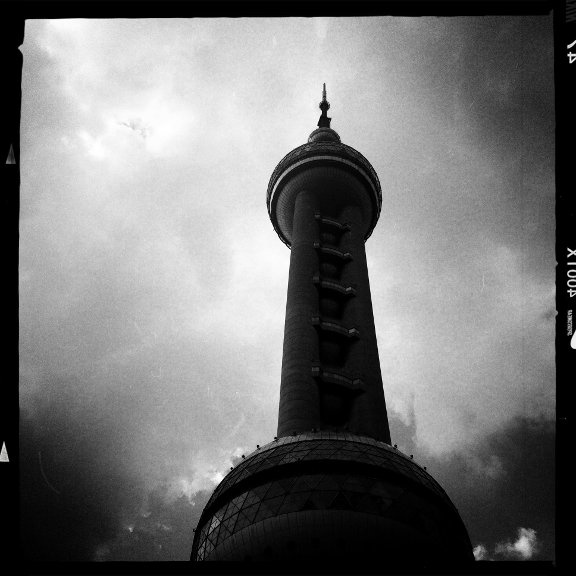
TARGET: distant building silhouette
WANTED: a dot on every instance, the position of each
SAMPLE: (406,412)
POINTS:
(329,487)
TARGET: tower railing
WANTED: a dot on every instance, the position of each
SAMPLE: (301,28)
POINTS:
(321,148)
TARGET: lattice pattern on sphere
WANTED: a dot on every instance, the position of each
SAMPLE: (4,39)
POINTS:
(352,490)
(355,492)
(328,446)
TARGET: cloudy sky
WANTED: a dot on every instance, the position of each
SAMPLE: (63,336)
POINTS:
(153,286)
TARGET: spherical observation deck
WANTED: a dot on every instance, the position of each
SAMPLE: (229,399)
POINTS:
(337,174)
(331,496)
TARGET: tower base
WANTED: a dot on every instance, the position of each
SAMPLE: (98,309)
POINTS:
(333,497)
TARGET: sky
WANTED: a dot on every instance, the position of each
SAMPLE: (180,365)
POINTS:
(153,286)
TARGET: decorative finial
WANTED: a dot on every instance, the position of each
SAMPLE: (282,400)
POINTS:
(324,121)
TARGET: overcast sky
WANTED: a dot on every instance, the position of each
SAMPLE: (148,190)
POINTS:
(153,286)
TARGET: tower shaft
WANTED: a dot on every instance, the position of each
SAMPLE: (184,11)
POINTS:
(331,376)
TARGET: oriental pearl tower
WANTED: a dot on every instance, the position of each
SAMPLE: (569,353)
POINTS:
(329,487)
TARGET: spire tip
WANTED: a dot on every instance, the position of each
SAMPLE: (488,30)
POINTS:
(324,105)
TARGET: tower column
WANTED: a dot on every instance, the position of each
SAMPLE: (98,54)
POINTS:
(369,415)
(298,409)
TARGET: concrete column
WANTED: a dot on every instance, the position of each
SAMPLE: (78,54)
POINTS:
(298,410)
(369,415)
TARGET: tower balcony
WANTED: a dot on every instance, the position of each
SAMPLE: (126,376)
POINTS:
(338,377)
(333,252)
(335,327)
(340,226)
(331,230)
(334,286)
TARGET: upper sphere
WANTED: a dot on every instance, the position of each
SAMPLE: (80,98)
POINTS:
(337,174)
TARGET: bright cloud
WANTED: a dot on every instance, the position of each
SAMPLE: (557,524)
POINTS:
(472,336)
(207,471)
(480,552)
(524,547)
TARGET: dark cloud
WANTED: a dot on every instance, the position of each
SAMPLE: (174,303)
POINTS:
(504,94)
(83,495)
(77,479)
(162,532)
(503,488)
(82,498)
(496,500)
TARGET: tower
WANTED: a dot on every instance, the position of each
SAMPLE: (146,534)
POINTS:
(329,486)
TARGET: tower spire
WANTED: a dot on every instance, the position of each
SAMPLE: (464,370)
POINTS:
(324,121)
